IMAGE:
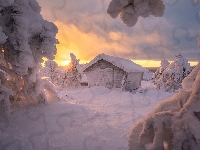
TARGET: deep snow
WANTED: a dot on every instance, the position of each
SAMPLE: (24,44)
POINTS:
(83,119)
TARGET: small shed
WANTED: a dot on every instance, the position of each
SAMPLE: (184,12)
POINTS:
(114,72)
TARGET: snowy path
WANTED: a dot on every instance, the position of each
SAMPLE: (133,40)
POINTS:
(84,119)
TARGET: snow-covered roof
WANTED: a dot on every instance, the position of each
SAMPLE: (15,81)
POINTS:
(125,64)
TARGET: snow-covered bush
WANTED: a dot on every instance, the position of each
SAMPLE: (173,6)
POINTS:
(170,76)
(131,10)
(163,65)
(157,76)
(25,38)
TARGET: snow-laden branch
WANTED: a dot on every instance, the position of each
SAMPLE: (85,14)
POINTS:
(131,10)
(175,122)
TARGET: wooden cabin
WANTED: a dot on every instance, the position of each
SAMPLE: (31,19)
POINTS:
(114,72)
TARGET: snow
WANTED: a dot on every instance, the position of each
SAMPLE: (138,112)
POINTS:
(189,80)
(26,39)
(174,121)
(124,64)
(170,76)
(147,76)
(3,37)
(83,118)
(5,3)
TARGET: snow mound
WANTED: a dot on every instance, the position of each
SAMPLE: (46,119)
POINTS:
(100,90)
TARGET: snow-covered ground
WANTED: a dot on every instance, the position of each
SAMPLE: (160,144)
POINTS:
(84,119)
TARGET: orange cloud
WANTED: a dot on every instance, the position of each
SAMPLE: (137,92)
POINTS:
(87,45)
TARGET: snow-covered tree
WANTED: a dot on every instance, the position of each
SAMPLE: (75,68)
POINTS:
(72,76)
(175,73)
(68,76)
(170,76)
(51,70)
(25,38)
(3,37)
(157,76)
(175,123)
(131,10)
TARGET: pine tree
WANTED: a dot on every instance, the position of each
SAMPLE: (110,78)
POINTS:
(73,75)
(170,76)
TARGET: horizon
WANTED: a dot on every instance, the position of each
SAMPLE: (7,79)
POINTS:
(143,63)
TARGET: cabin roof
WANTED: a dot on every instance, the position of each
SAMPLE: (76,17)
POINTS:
(125,64)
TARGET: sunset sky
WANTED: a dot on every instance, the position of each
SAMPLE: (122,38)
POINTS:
(86,30)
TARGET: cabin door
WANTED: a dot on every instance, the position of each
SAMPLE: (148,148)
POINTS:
(105,77)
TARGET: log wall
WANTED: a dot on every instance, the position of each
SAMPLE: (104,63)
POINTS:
(92,73)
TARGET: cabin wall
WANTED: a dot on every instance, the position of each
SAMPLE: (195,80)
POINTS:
(101,73)
(133,81)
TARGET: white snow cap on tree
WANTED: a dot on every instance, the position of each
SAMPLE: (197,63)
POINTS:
(163,65)
(131,10)
(180,68)
(73,57)
(73,75)
(29,39)
(170,76)
(157,76)
(26,30)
